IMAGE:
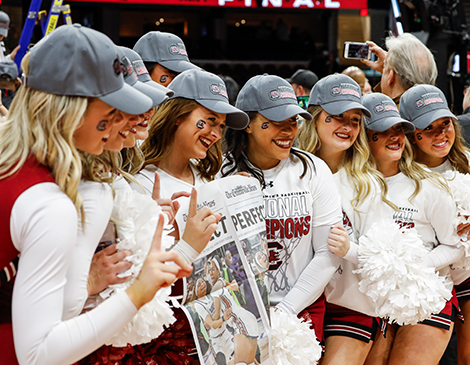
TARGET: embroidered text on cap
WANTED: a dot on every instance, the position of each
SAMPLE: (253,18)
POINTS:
(281,92)
(345,89)
(427,99)
(218,89)
(385,106)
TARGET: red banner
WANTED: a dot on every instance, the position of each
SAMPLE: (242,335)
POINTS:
(291,4)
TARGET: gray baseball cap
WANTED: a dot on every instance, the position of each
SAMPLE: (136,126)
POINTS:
(130,77)
(8,71)
(272,97)
(208,90)
(166,49)
(305,78)
(4,23)
(337,94)
(384,113)
(424,104)
(79,61)
(142,72)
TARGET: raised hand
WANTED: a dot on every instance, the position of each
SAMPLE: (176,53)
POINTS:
(160,270)
(200,225)
(169,206)
(377,65)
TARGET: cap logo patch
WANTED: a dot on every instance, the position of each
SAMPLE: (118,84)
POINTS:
(282,92)
(345,89)
(385,106)
(218,89)
(179,48)
(427,99)
(140,68)
(117,67)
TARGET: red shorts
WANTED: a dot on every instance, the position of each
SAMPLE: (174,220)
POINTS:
(341,321)
(315,313)
(463,290)
(446,316)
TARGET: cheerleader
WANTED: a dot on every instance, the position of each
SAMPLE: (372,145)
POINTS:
(438,144)
(423,202)
(301,202)
(337,136)
(40,169)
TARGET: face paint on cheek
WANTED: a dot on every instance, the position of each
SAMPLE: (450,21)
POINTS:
(163,78)
(328,119)
(102,125)
(265,125)
(418,135)
(375,137)
(200,124)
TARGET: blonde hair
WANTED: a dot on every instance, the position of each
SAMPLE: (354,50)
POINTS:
(42,125)
(162,132)
(458,154)
(360,168)
(417,172)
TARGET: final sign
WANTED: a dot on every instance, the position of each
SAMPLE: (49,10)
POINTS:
(292,4)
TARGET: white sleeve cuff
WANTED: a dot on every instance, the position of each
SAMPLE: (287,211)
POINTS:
(185,251)
(352,254)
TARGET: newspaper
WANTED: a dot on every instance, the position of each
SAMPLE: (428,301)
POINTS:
(226,298)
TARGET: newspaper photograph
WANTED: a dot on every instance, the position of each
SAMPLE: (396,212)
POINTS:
(226,297)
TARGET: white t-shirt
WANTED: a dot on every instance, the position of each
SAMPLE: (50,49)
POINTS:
(343,289)
(458,275)
(294,207)
(44,229)
(168,184)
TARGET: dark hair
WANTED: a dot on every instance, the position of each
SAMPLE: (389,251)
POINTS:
(150,66)
(235,145)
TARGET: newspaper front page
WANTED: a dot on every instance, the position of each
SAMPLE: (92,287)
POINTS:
(226,298)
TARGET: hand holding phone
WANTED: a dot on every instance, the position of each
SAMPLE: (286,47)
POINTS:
(356,50)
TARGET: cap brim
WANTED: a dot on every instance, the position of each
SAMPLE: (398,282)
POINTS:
(431,116)
(383,124)
(338,107)
(286,111)
(4,32)
(128,100)
(157,96)
(235,119)
(156,85)
(178,65)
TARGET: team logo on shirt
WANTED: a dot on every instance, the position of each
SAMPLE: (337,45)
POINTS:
(404,217)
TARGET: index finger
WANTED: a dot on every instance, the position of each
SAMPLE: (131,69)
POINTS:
(157,237)
(193,204)
(179,194)
(156,187)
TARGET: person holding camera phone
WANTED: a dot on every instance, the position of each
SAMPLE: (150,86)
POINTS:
(406,63)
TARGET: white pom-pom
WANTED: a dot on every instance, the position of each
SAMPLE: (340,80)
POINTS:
(292,340)
(460,186)
(394,276)
(136,217)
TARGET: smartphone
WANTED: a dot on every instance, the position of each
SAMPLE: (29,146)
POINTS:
(355,50)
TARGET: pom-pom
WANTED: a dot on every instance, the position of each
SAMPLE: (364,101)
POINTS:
(136,217)
(460,186)
(293,341)
(394,275)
